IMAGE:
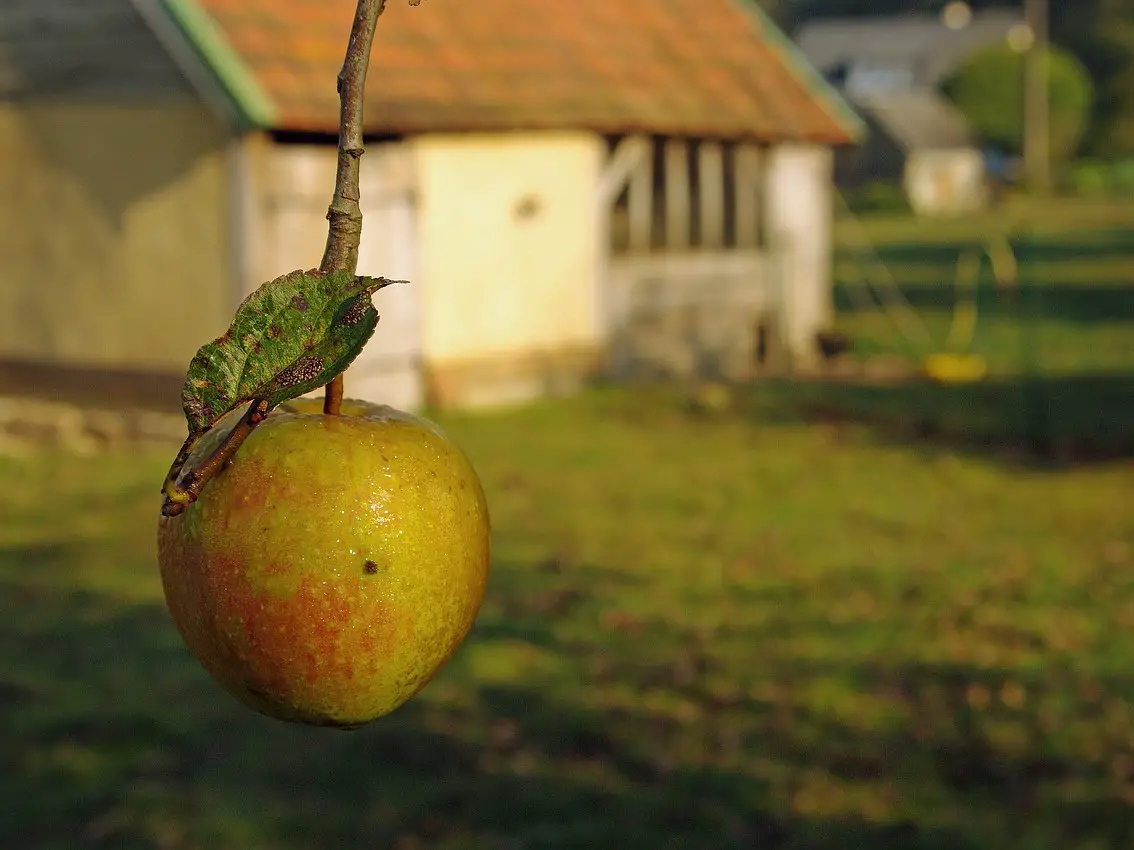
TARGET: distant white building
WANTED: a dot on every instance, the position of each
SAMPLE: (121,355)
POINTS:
(891,69)
(907,51)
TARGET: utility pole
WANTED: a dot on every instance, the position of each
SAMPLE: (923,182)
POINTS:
(1037,154)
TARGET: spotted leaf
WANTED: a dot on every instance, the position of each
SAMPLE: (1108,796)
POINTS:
(292,335)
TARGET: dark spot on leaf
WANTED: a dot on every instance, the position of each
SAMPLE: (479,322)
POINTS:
(299,302)
(463,485)
(357,311)
(275,332)
(370,568)
(303,369)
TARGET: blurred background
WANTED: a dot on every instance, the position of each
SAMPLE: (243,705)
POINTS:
(792,341)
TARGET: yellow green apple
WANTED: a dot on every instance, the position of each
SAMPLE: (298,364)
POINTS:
(333,566)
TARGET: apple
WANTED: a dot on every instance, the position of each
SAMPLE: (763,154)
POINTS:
(332,568)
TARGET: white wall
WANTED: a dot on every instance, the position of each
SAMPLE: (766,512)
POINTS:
(496,234)
(288,230)
(507,242)
(798,212)
(946,182)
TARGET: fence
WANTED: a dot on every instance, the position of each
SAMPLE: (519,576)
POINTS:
(1057,337)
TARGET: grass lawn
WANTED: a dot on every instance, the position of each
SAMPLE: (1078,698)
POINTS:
(732,632)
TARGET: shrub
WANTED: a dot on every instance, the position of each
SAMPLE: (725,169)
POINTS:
(989,90)
(1089,179)
(879,196)
(1099,179)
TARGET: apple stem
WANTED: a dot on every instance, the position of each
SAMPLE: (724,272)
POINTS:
(344,232)
(333,396)
(180,494)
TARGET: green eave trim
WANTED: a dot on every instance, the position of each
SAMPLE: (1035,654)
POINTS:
(255,109)
(837,106)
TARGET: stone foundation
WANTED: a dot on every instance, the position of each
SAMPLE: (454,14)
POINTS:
(28,425)
(506,379)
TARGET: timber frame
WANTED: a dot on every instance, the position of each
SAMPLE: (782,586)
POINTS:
(680,223)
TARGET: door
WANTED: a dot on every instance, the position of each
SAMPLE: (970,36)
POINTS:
(389,368)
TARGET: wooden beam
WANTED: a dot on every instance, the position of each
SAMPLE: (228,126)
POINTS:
(623,160)
(677,213)
(625,157)
(710,173)
(748,177)
(640,204)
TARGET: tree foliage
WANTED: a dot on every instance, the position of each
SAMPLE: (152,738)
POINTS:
(1101,34)
(989,90)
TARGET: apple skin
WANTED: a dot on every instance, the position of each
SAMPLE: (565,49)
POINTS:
(334,566)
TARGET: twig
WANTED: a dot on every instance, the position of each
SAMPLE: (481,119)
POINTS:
(344,233)
(183,493)
(343,237)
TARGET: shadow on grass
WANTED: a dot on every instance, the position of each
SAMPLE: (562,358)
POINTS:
(1079,303)
(115,738)
(1090,244)
(1097,298)
(1043,422)
(642,736)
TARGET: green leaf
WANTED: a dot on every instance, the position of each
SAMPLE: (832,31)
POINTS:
(292,335)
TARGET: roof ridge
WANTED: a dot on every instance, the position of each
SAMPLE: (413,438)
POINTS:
(253,105)
(994,13)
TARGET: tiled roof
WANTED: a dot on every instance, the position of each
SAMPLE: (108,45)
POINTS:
(918,120)
(681,67)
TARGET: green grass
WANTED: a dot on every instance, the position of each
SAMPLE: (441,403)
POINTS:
(734,632)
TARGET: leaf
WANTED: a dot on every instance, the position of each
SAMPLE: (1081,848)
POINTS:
(292,335)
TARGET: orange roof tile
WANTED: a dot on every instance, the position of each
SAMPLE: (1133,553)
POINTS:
(679,67)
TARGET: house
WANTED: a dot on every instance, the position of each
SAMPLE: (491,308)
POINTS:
(919,139)
(891,70)
(602,186)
